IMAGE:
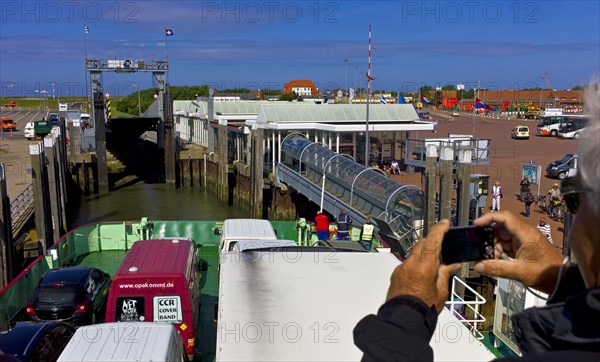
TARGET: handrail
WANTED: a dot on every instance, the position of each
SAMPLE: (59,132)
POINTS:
(473,305)
(22,202)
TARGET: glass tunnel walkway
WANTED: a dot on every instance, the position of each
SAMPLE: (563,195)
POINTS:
(335,181)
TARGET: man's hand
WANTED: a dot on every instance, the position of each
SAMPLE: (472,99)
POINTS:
(421,275)
(535,262)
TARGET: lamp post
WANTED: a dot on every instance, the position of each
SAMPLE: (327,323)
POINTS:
(139,99)
(346,63)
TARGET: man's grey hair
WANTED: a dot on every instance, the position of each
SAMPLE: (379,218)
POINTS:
(589,148)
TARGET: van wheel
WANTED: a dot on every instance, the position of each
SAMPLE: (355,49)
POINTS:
(554,133)
(576,136)
(562,175)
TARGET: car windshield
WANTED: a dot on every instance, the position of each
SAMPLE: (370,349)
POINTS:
(564,159)
(56,294)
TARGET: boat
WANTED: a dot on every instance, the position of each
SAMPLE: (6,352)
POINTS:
(275,303)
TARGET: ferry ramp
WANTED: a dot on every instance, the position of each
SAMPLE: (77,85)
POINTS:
(335,181)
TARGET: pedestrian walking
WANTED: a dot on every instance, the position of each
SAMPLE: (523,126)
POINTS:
(525,187)
(528,200)
(496,196)
(366,233)
(343,225)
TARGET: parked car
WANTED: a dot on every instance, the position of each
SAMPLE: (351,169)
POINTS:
(10,104)
(29,131)
(562,167)
(35,341)
(75,294)
(455,114)
(520,132)
(53,119)
(8,125)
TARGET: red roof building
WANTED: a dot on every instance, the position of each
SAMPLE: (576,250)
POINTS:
(302,87)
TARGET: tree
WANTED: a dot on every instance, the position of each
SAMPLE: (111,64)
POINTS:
(289,96)
(129,104)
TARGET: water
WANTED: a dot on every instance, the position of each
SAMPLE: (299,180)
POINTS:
(156,201)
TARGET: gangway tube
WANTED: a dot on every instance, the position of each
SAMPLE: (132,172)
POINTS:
(344,183)
(324,168)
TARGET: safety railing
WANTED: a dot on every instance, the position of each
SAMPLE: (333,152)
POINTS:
(21,209)
(467,311)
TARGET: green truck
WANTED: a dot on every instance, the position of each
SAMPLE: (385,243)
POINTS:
(42,128)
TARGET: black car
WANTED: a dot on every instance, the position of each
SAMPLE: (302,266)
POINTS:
(560,168)
(35,341)
(75,294)
(53,118)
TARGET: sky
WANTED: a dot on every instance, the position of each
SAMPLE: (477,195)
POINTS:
(265,44)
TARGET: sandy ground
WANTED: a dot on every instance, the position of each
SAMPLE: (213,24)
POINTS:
(506,169)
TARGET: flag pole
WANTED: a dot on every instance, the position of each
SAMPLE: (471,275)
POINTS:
(367,146)
(85,32)
(167,56)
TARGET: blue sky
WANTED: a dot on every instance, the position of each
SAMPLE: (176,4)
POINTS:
(264,44)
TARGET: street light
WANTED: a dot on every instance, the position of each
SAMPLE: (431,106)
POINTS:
(346,62)
(139,99)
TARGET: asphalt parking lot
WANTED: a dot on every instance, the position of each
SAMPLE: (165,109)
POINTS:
(14,149)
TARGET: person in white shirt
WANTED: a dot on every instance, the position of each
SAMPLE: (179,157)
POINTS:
(544,228)
(496,196)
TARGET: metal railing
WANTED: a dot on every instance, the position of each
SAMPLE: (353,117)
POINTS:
(21,208)
(459,307)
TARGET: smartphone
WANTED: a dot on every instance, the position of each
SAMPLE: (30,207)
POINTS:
(468,243)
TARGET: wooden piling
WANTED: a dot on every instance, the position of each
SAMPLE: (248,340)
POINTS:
(464,181)
(53,184)
(430,186)
(101,160)
(170,177)
(222,162)
(6,244)
(40,193)
(447,181)
(256,175)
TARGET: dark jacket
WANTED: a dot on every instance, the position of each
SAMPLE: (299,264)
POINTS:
(564,330)
(342,222)
(525,185)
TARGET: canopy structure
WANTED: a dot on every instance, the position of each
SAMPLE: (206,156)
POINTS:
(366,189)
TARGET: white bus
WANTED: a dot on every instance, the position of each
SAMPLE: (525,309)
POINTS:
(573,128)
(550,125)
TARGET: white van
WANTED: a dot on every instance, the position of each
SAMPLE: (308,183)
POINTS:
(243,245)
(235,230)
(29,131)
(131,341)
